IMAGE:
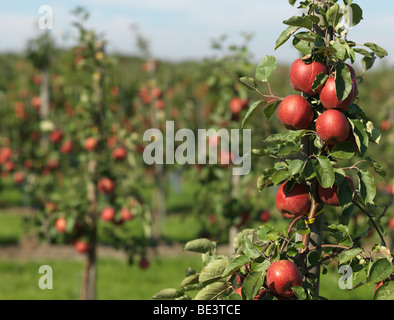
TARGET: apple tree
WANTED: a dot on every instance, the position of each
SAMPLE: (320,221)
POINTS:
(322,174)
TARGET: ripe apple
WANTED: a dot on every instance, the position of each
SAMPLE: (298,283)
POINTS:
(18,177)
(106,185)
(56,136)
(91,144)
(126,215)
(225,157)
(330,195)
(144,263)
(160,104)
(119,154)
(107,214)
(294,203)
(385,124)
(81,246)
(237,104)
(328,96)
(5,154)
(50,206)
(36,102)
(281,276)
(61,224)
(390,224)
(156,92)
(303,75)
(264,216)
(332,126)
(295,112)
(66,147)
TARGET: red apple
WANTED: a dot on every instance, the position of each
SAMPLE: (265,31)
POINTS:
(5,154)
(281,276)
(18,177)
(106,185)
(66,147)
(303,75)
(144,263)
(390,224)
(119,154)
(160,104)
(126,215)
(56,136)
(237,104)
(330,195)
(328,96)
(81,246)
(332,126)
(61,224)
(385,125)
(107,214)
(294,203)
(295,112)
(264,216)
(50,206)
(156,93)
(91,144)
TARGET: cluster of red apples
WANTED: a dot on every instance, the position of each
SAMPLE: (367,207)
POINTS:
(297,113)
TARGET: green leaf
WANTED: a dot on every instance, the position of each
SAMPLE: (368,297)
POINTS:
(267,232)
(385,292)
(302,22)
(201,245)
(343,81)
(279,176)
(320,79)
(285,35)
(368,62)
(288,136)
(299,292)
(367,186)
(252,284)
(354,16)
(360,135)
(295,166)
(344,193)
(270,109)
(236,264)
(379,51)
(349,255)
(380,270)
(192,279)
(249,249)
(169,293)
(292,2)
(333,15)
(340,49)
(212,291)
(324,172)
(266,68)
(252,111)
(265,179)
(248,83)
(343,150)
(213,271)
(376,167)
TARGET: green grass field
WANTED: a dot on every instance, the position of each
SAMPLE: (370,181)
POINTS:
(117,280)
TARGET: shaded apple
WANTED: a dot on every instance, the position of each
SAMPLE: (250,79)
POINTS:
(330,195)
(294,203)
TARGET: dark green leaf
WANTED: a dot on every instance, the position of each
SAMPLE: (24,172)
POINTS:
(344,192)
(319,80)
(354,15)
(252,284)
(360,134)
(249,249)
(266,68)
(265,179)
(252,111)
(367,186)
(199,245)
(299,292)
(297,21)
(368,62)
(348,255)
(295,166)
(377,167)
(385,292)
(343,150)
(333,15)
(248,83)
(279,176)
(213,271)
(212,291)
(169,293)
(270,109)
(236,264)
(288,136)
(285,35)
(379,51)
(380,270)
(343,81)
(324,172)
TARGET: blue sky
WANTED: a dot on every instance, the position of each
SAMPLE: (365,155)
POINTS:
(183,29)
